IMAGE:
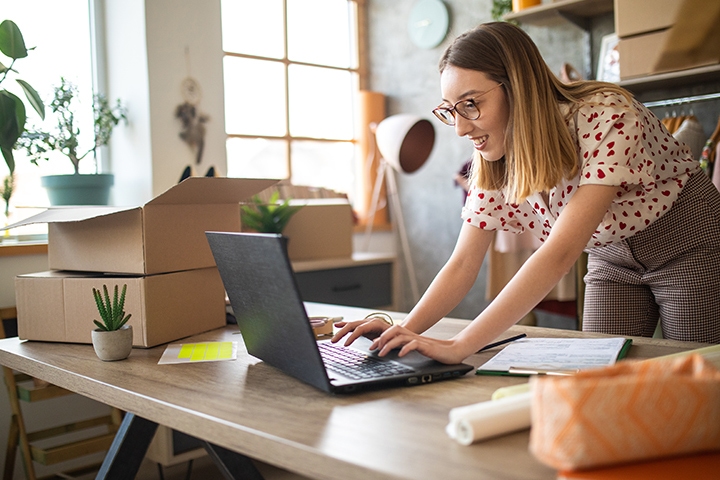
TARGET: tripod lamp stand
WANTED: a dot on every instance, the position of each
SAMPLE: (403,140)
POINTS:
(404,142)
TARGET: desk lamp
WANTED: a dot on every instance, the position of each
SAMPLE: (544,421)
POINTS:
(404,142)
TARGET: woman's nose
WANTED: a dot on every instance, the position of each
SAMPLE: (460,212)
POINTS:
(463,126)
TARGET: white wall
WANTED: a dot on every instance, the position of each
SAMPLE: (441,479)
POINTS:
(151,47)
(127,79)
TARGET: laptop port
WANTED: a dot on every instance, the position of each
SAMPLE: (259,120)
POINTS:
(427,378)
(412,380)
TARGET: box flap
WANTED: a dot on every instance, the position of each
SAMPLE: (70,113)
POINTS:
(212,190)
(694,38)
(68,214)
(193,190)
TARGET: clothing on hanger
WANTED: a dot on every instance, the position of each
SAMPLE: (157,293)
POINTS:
(708,155)
(674,122)
(691,133)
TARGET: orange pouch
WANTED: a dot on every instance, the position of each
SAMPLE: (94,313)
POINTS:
(628,412)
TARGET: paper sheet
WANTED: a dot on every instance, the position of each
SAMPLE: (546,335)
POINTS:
(556,354)
(199,352)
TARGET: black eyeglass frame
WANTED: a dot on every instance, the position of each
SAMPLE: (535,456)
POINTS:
(452,110)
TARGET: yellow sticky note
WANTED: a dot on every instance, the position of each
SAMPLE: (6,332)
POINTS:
(186,350)
(198,352)
(226,350)
(212,351)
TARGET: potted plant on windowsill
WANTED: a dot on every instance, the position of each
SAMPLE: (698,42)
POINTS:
(113,338)
(76,189)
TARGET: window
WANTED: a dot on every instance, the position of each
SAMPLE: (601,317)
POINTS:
(291,83)
(61,37)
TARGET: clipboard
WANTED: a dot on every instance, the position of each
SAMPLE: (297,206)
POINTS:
(555,356)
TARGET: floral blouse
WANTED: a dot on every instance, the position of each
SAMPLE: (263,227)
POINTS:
(620,144)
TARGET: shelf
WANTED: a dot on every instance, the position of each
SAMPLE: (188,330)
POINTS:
(680,78)
(357,259)
(579,12)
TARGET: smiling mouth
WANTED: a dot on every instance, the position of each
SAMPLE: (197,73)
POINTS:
(480,142)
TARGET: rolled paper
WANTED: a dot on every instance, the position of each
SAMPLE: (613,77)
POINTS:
(480,421)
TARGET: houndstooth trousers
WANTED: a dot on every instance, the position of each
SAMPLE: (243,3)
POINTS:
(670,271)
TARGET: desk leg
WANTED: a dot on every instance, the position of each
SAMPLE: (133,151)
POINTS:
(234,466)
(128,449)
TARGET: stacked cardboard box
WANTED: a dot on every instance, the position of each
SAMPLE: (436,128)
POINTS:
(658,36)
(158,249)
(321,229)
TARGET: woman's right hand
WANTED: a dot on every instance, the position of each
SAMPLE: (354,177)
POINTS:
(368,327)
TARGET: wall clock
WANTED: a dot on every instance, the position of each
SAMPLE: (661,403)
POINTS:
(428,23)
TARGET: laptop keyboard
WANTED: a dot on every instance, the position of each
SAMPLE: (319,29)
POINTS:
(357,365)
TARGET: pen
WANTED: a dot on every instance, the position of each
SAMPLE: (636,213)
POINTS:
(502,342)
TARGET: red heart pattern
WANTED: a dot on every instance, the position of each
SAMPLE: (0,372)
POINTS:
(621,144)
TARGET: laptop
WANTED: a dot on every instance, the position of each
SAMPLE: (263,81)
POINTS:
(275,327)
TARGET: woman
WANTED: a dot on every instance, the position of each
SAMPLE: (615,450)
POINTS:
(583,167)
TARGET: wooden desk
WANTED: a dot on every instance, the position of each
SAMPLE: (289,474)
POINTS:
(251,408)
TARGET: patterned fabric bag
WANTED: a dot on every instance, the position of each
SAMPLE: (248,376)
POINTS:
(628,412)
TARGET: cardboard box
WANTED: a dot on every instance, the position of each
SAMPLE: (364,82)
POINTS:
(167,234)
(634,17)
(646,55)
(57,306)
(321,229)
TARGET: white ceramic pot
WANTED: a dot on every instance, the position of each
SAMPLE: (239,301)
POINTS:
(115,345)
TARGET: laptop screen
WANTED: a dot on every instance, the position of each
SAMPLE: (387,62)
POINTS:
(260,284)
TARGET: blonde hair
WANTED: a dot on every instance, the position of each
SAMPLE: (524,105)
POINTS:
(539,149)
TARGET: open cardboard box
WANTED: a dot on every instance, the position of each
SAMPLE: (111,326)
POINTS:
(58,306)
(167,234)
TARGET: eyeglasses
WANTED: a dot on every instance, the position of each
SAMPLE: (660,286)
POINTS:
(465,108)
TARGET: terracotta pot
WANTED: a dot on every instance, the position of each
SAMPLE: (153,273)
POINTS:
(115,345)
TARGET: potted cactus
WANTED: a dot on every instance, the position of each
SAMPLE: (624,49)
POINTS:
(112,339)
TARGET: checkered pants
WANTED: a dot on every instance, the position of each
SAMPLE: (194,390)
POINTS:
(669,271)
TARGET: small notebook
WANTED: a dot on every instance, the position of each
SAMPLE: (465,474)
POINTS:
(557,356)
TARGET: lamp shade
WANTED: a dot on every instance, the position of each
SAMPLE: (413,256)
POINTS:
(405,141)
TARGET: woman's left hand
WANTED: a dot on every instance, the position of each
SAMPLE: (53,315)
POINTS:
(445,351)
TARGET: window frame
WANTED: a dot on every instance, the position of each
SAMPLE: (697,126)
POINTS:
(363,186)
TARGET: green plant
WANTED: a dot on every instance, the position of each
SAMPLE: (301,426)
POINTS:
(6,192)
(38,144)
(112,314)
(500,8)
(12,109)
(270,217)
